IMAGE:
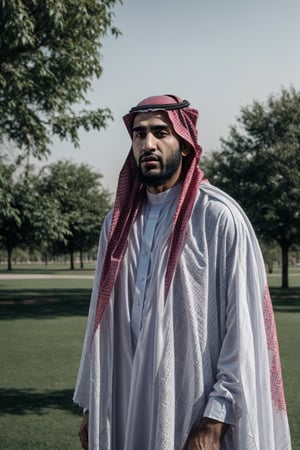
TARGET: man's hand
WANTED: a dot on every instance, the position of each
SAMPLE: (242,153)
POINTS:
(84,431)
(209,436)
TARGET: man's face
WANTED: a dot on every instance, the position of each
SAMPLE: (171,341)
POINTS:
(157,151)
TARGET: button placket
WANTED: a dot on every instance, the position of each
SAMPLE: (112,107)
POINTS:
(142,270)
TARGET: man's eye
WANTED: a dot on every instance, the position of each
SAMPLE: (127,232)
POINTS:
(139,134)
(161,133)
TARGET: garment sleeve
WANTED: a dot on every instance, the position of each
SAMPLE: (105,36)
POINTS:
(238,264)
(82,389)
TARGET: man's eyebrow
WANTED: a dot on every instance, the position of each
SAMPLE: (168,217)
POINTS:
(152,127)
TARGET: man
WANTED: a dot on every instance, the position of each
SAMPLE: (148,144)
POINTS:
(181,349)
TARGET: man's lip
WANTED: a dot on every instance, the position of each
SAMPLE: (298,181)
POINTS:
(150,164)
(149,159)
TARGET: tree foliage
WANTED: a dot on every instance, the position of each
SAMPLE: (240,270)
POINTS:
(28,217)
(59,210)
(83,203)
(259,165)
(49,53)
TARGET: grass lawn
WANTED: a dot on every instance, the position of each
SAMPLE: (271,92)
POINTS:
(51,268)
(286,305)
(42,328)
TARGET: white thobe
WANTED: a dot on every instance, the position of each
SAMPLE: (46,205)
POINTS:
(154,368)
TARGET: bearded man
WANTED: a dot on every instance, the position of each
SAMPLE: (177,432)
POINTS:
(181,349)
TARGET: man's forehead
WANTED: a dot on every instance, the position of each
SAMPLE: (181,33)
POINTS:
(151,117)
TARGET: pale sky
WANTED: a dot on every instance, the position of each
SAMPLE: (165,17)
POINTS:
(218,54)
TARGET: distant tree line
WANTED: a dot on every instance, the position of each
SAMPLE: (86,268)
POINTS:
(259,165)
(56,211)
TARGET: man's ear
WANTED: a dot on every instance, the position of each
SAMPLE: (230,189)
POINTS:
(185,150)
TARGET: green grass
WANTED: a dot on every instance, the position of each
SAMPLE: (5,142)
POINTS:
(51,268)
(286,304)
(274,279)
(42,328)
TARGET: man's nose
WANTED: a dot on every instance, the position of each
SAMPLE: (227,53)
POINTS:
(149,142)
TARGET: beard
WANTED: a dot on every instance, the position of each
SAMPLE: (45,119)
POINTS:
(167,169)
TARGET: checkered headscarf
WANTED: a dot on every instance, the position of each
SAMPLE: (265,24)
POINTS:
(131,193)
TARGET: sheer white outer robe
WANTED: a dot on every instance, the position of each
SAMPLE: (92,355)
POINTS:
(202,352)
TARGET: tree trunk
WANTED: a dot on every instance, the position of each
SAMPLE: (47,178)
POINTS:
(285,266)
(81,259)
(72,259)
(9,253)
(270,266)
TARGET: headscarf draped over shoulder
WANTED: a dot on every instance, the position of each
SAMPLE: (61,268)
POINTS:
(131,193)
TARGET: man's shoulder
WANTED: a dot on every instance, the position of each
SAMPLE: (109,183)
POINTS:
(106,222)
(214,205)
(214,199)
(217,207)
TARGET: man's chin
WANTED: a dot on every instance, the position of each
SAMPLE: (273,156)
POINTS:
(152,179)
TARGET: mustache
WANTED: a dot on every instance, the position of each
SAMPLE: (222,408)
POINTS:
(149,156)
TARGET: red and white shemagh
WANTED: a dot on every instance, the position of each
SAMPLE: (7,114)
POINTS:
(131,194)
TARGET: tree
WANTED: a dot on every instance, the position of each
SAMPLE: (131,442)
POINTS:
(259,165)
(28,217)
(49,53)
(10,220)
(83,204)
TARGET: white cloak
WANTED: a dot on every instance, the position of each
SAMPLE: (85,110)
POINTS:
(209,350)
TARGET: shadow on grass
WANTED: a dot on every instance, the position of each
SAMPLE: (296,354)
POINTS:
(28,401)
(43,303)
(51,303)
(286,300)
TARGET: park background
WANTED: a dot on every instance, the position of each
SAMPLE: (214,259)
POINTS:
(220,56)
